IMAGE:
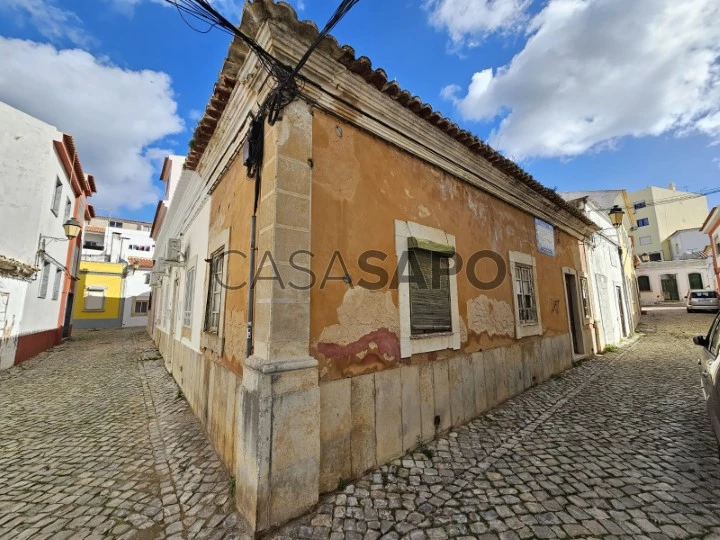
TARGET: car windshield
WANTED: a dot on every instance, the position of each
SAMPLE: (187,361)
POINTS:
(703,294)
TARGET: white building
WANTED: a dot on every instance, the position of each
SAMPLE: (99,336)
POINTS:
(179,282)
(42,186)
(113,239)
(670,281)
(711,228)
(612,289)
(171,171)
(687,243)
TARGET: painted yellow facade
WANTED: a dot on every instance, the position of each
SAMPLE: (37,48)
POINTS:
(104,281)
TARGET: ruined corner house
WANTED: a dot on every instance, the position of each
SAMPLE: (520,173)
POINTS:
(349,374)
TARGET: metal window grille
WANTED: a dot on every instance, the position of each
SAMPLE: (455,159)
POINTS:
(189,290)
(215,293)
(430,305)
(525,291)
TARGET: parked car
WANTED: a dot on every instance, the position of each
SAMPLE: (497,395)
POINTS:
(710,373)
(702,300)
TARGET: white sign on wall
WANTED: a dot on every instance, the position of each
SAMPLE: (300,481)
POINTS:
(545,237)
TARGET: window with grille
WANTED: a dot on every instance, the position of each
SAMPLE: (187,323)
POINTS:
(44,279)
(430,305)
(56,197)
(644,283)
(525,291)
(214,300)
(189,291)
(585,297)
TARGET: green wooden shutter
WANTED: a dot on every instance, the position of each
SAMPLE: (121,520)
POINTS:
(429,293)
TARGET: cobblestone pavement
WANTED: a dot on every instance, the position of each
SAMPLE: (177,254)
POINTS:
(96,442)
(619,447)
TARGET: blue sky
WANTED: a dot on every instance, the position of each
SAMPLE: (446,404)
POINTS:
(585,94)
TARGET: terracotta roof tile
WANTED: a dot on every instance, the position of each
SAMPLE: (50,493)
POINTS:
(144,263)
(93,228)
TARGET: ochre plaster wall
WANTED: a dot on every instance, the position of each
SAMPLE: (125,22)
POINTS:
(231,208)
(360,186)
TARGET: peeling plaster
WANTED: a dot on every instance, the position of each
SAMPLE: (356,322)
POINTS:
(235,341)
(361,313)
(423,211)
(494,317)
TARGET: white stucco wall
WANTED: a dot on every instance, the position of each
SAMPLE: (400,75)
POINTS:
(10,318)
(29,169)
(135,288)
(688,241)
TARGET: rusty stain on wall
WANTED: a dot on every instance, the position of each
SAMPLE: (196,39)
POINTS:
(493,317)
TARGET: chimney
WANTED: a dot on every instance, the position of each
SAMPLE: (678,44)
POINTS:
(672,186)
(115,247)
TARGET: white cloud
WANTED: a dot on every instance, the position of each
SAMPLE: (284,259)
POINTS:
(114,114)
(53,22)
(593,71)
(468,21)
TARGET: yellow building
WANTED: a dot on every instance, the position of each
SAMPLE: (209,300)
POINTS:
(101,303)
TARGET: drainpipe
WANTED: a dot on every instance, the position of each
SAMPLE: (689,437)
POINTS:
(254,159)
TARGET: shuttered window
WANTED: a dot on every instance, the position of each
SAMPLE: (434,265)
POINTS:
(44,279)
(189,291)
(58,282)
(644,283)
(57,195)
(94,299)
(430,306)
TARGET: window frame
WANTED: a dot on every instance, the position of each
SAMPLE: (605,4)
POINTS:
(585,296)
(699,275)
(650,255)
(411,344)
(57,197)
(57,283)
(215,290)
(639,205)
(188,297)
(94,288)
(4,306)
(641,243)
(523,328)
(649,284)
(139,299)
(646,222)
(44,279)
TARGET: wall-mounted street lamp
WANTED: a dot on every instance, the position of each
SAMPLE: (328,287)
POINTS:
(72,230)
(617,215)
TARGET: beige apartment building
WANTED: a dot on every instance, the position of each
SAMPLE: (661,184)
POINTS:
(661,212)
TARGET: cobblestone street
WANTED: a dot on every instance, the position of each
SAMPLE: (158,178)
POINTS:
(96,442)
(620,447)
